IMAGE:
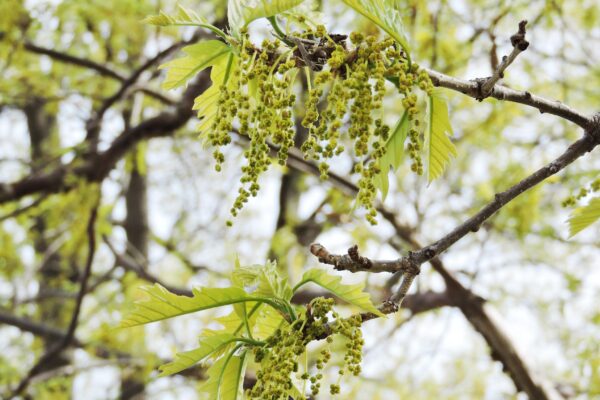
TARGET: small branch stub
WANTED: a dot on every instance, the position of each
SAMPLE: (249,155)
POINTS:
(354,262)
(519,44)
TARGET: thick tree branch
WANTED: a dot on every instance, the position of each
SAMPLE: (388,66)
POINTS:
(99,165)
(35,328)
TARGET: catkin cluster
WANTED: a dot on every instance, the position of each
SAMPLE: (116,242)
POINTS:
(344,105)
(279,359)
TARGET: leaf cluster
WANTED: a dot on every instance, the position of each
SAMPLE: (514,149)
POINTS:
(263,323)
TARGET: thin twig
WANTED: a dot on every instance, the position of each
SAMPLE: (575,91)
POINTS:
(519,45)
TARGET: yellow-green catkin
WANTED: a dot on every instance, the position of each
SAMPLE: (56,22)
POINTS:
(344,106)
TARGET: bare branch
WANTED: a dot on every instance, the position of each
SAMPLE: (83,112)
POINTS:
(99,165)
(354,262)
(69,59)
(519,45)
(471,88)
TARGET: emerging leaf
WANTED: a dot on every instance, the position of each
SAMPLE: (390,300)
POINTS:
(386,15)
(438,146)
(163,304)
(267,322)
(352,294)
(199,56)
(241,12)
(266,278)
(184,16)
(226,378)
(223,73)
(394,152)
(583,217)
(209,345)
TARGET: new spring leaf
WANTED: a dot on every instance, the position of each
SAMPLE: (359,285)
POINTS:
(198,57)
(241,12)
(163,304)
(386,15)
(352,294)
(585,216)
(438,146)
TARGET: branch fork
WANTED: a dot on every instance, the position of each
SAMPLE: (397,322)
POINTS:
(486,85)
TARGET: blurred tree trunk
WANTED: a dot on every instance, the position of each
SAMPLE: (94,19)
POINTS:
(136,228)
(52,273)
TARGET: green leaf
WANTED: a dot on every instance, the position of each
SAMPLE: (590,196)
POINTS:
(234,322)
(199,56)
(352,294)
(386,15)
(268,320)
(223,73)
(241,12)
(208,346)
(226,378)
(394,152)
(184,16)
(266,278)
(583,217)
(163,304)
(438,146)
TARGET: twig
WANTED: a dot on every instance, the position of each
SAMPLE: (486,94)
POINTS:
(353,261)
(23,209)
(587,143)
(69,336)
(99,165)
(519,45)
(89,64)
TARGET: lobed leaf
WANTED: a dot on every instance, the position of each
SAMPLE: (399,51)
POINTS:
(198,57)
(584,216)
(352,294)
(163,304)
(223,73)
(394,153)
(226,378)
(241,12)
(209,345)
(266,278)
(386,15)
(183,16)
(438,146)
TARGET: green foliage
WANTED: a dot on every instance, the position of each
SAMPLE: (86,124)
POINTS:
(163,304)
(223,76)
(263,323)
(241,12)
(199,56)
(386,15)
(184,16)
(584,216)
(226,377)
(352,294)
(208,346)
(438,145)
(253,94)
(394,154)
(266,279)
